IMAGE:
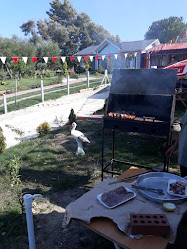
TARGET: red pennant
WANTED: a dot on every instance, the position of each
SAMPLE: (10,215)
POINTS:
(71,58)
(15,59)
(86,58)
(97,57)
(121,55)
(54,59)
(109,56)
(182,35)
(140,52)
(130,54)
(34,59)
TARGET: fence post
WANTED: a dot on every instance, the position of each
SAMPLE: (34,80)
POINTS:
(88,79)
(42,90)
(4,103)
(68,84)
(106,76)
(16,87)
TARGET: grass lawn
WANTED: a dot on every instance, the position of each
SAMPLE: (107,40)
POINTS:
(49,165)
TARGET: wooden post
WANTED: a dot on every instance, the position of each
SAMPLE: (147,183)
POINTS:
(42,90)
(4,103)
(106,75)
(16,92)
(68,84)
(88,79)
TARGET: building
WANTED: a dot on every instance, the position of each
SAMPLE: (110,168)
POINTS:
(112,55)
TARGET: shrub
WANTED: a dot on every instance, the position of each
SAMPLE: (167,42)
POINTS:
(72,116)
(2,141)
(74,76)
(43,129)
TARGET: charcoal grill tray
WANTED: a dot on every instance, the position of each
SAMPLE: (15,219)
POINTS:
(159,180)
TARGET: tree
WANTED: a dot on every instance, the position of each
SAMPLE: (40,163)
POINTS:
(18,68)
(166,29)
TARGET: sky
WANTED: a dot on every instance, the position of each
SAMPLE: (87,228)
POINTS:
(128,19)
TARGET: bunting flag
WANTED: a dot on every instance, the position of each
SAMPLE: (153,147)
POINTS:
(45,59)
(79,58)
(121,55)
(71,58)
(109,56)
(116,56)
(54,59)
(125,55)
(91,58)
(177,39)
(34,59)
(103,57)
(25,59)
(15,59)
(140,52)
(182,35)
(130,54)
(63,59)
(86,58)
(97,57)
(3,59)
(135,54)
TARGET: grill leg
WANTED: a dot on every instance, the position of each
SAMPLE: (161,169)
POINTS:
(113,139)
(102,159)
(168,144)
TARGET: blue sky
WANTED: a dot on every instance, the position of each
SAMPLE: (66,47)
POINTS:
(129,19)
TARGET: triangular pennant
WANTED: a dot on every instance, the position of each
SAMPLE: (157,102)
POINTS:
(15,59)
(140,52)
(79,58)
(182,35)
(116,56)
(125,55)
(91,58)
(135,54)
(71,58)
(103,57)
(63,59)
(54,59)
(45,59)
(109,56)
(25,59)
(130,54)
(97,57)
(121,55)
(3,59)
(34,59)
(86,58)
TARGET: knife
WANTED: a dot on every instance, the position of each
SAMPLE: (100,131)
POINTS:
(155,190)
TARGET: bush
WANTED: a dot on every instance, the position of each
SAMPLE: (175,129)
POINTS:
(43,129)
(72,116)
(2,141)
(74,76)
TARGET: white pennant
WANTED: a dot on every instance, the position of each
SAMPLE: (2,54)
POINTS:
(3,59)
(103,57)
(45,59)
(63,59)
(91,58)
(79,58)
(25,59)
(125,55)
(116,56)
(135,54)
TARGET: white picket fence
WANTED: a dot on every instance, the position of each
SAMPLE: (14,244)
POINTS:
(60,87)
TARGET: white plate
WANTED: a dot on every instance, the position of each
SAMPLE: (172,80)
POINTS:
(171,192)
(128,190)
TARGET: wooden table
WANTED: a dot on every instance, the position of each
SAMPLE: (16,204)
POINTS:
(109,230)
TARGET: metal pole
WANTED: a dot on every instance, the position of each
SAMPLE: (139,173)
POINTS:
(68,84)
(28,199)
(16,93)
(88,79)
(42,90)
(4,103)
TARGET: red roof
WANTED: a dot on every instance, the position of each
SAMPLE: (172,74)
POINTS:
(172,46)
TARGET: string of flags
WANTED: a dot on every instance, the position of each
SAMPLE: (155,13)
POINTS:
(63,58)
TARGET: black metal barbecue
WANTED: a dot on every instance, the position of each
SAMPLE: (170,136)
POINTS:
(143,101)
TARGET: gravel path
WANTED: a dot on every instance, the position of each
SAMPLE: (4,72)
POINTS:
(28,119)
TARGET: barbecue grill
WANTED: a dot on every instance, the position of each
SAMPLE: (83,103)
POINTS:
(143,101)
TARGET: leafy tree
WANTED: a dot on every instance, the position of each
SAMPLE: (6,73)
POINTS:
(87,66)
(18,68)
(166,29)
(65,68)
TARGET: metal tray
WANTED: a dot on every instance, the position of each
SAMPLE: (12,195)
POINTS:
(159,180)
